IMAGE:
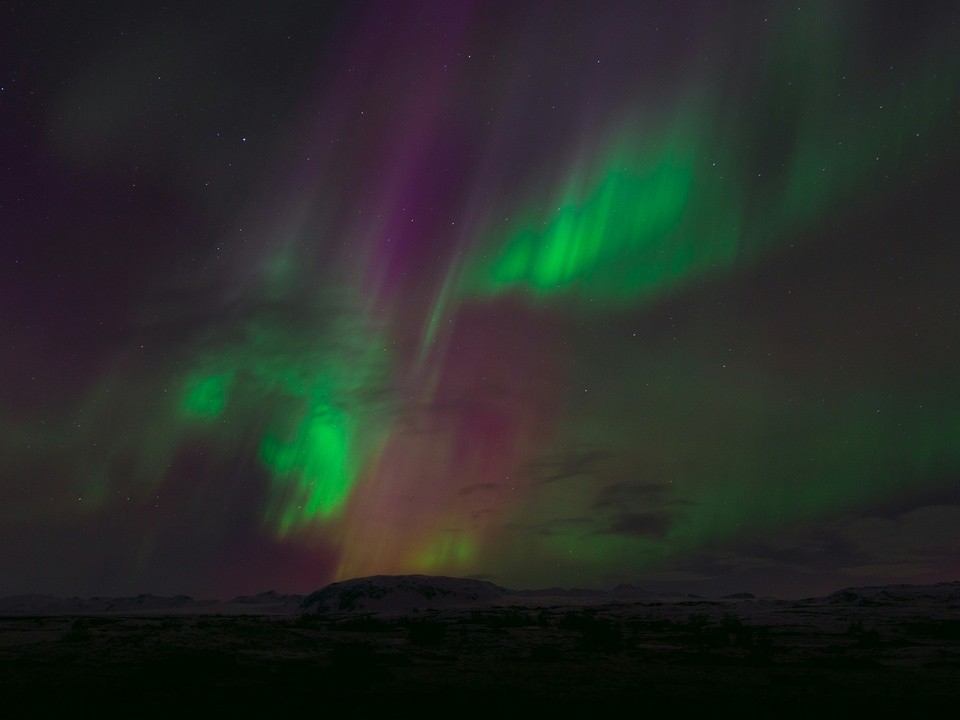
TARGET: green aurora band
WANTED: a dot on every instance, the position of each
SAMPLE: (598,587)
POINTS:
(665,204)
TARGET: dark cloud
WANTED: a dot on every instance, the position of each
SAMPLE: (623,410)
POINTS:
(641,494)
(569,464)
(476,488)
(917,546)
(559,526)
(643,525)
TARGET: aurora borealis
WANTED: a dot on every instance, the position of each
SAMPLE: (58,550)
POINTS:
(545,293)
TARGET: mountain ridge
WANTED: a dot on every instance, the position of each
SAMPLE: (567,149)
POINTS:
(415,592)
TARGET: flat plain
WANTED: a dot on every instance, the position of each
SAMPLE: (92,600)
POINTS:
(368,645)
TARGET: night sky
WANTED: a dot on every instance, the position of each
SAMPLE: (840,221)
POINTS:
(546,293)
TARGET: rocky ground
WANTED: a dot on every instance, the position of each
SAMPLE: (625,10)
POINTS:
(869,649)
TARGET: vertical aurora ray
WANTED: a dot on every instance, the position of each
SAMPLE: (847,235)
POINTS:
(479,412)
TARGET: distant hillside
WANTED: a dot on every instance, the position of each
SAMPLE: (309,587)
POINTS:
(948,592)
(146,604)
(268,603)
(402,593)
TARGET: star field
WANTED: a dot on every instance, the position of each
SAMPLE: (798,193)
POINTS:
(660,293)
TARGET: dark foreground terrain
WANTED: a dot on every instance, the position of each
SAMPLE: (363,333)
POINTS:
(882,650)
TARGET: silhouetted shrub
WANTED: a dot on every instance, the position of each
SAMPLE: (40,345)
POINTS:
(427,633)
(602,636)
(79,632)
(363,624)
(731,623)
(697,623)
(869,640)
(942,630)
(704,635)
(509,619)
(696,626)
(353,654)
(576,620)
(733,626)
(762,647)
(309,620)
(544,653)
(866,639)
(596,634)
(354,667)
